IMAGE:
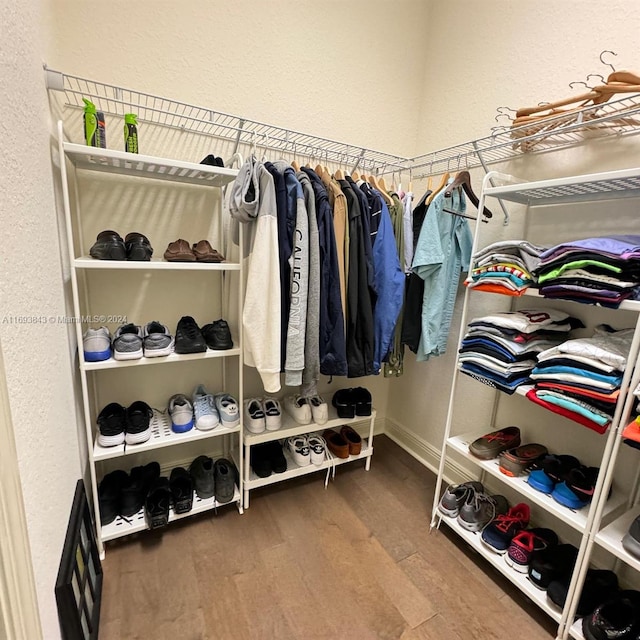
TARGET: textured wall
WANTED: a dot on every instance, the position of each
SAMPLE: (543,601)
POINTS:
(37,359)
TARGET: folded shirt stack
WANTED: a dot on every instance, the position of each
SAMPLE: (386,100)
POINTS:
(604,270)
(505,267)
(580,379)
(500,349)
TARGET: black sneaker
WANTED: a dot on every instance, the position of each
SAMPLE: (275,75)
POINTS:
(181,485)
(552,563)
(189,338)
(138,427)
(138,247)
(110,495)
(157,504)
(212,160)
(109,245)
(225,480)
(217,335)
(598,587)
(137,487)
(276,457)
(260,459)
(618,617)
(201,470)
(112,425)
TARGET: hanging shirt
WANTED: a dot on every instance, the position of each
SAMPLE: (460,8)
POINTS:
(443,251)
(407,223)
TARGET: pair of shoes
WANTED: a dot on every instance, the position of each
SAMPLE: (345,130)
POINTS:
(214,161)
(109,245)
(191,339)
(491,445)
(208,409)
(599,585)
(131,341)
(352,402)
(525,544)
(267,458)
(213,478)
(499,533)
(307,449)
(261,414)
(454,497)
(118,424)
(305,409)
(202,251)
(618,617)
(344,444)
(516,461)
(96,344)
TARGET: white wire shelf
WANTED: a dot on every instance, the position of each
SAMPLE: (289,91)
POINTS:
(610,538)
(87,262)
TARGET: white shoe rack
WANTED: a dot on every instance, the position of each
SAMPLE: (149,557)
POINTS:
(80,165)
(607,519)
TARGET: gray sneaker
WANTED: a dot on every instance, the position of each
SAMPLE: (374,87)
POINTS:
(455,495)
(479,509)
(157,341)
(631,540)
(127,342)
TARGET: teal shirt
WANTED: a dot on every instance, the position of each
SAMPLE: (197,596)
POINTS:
(443,251)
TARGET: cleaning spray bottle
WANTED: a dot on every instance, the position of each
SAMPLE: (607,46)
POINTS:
(130,133)
(94,126)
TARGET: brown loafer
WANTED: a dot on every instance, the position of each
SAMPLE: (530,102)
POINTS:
(336,443)
(353,439)
(179,251)
(204,252)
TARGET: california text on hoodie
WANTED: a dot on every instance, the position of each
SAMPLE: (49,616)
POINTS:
(253,203)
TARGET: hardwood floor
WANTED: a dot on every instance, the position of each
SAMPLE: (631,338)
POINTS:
(354,561)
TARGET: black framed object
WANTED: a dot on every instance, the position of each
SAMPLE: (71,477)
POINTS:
(78,587)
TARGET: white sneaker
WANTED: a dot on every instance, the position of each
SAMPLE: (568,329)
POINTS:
(299,448)
(254,418)
(319,409)
(272,413)
(298,408)
(204,407)
(227,407)
(181,412)
(96,344)
(317,448)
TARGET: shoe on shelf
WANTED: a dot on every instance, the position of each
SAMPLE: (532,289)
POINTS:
(181,413)
(317,448)
(156,340)
(617,618)
(578,488)
(479,509)
(179,251)
(138,427)
(454,496)
(112,424)
(598,586)
(272,413)
(631,540)
(550,470)
(109,495)
(109,245)
(227,407)
(136,489)
(254,419)
(202,472)
(181,485)
(345,403)
(298,408)
(260,459)
(552,563)
(336,443)
(319,409)
(353,438)
(499,533)
(204,252)
(127,342)
(189,338)
(299,448)
(514,462)
(525,543)
(138,247)
(96,344)
(225,480)
(214,161)
(491,445)
(362,399)
(158,503)
(276,456)
(218,335)
(204,409)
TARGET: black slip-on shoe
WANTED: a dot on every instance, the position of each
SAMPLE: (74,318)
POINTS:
(110,495)
(201,470)
(345,403)
(189,338)
(181,485)
(109,245)
(138,247)
(141,479)
(276,457)
(260,459)
(224,480)
(362,399)
(158,503)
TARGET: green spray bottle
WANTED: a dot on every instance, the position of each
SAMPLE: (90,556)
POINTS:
(130,133)
(94,126)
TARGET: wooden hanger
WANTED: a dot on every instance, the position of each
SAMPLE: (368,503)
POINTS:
(320,169)
(339,175)
(295,165)
(463,181)
(627,77)
(441,185)
(373,181)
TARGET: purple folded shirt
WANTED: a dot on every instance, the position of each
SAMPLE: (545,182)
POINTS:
(621,247)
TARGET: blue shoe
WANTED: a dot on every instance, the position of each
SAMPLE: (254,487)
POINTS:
(540,481)
(96,344)
(563,495)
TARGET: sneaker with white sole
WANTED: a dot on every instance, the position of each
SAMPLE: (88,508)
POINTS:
(299,448)
(156,340)
(127,342)
(272,413)
(138,428)
(204,408)
(254,418)
(227,407)
(298,408)
(181,412)
(96,344)
(319,409)
(317,448)
(112,422)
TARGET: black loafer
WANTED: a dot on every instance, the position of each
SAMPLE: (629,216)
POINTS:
(362,399)
(344,402)
(109,245)
(181,485)
(138,247)
(158,503)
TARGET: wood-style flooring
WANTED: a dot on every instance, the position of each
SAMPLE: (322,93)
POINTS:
(354,561)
